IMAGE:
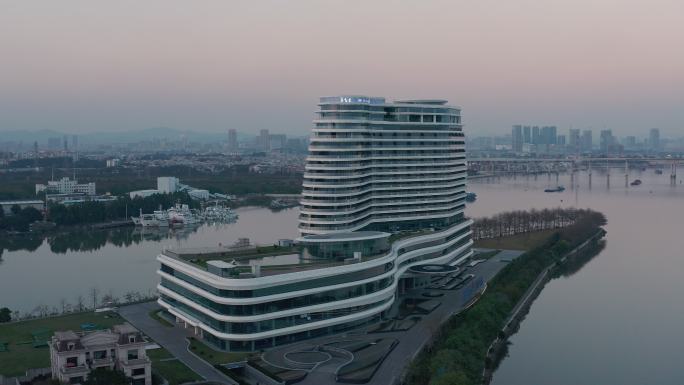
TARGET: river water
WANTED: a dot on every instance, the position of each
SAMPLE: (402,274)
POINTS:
(618,320)
(118,261)
(615,321)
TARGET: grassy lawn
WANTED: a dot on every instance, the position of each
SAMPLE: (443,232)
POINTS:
(527,241)
(155,315)
(486,255)
(23,356)
(174,371)
(212,356)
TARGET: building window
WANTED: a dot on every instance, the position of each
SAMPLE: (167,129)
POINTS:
(100,354)
(133,354)
(138,372)
(71,362)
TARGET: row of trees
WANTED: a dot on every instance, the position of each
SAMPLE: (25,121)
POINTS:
(95,212)
(20,219)
(91,212)
(522,221)
(93,300)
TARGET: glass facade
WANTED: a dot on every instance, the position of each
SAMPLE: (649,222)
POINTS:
(344,249)
(361,150)
(282,288)
(283,304)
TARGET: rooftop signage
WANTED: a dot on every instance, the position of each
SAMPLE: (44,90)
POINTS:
(352,100)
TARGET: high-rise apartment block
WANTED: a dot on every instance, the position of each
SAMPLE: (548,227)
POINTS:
(517,138)
(654,139)
(232,140)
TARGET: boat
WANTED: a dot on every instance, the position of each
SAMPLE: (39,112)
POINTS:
(278,204)
(181,213)
(470,197)
(162,216)
(636,182)
(556,189)
(149,220)
(218,213)
(659,171)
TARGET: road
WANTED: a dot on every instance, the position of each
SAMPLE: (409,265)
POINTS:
(411,341)
(172,339)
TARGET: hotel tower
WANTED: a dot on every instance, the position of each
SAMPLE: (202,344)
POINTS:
(383,194)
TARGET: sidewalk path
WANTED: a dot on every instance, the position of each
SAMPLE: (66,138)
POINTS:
(172,339)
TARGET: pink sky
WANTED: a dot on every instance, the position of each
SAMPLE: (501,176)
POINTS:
(85,66)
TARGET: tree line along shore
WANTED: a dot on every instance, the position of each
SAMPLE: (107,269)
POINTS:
(457,353)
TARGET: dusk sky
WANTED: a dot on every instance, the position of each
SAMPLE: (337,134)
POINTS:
(87,66)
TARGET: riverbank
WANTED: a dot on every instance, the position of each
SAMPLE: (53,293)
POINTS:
(273,202)
(498,349)
(456,355)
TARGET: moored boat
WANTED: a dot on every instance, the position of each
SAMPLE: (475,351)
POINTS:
(556,189)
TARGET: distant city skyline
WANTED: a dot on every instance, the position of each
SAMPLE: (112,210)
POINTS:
(76,66)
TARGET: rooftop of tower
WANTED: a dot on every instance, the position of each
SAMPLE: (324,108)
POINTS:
(439,102)
(363,99)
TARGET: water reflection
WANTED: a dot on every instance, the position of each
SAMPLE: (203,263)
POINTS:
(565,270)
(24,242)
(573,265)
(91,240)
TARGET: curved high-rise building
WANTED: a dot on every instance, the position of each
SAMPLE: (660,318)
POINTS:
(384,166)
(383,194)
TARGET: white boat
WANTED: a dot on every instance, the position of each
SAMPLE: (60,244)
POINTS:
(149,220)
(181,213)
(162,216)
(218,213)
(136,221)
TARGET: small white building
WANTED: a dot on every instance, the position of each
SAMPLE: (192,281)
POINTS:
(66,186)
(167,184)
(285,242)
(73,355)
(199,194)
(113,162)
(142,193)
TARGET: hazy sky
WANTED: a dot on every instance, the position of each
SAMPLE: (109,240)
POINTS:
(83,66)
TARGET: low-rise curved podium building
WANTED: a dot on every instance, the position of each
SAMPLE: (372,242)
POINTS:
(384,190)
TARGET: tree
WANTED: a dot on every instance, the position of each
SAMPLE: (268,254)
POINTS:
(102,376)
(15,209)
(94,293)
(31,214)
(5,315)
(452,378)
